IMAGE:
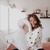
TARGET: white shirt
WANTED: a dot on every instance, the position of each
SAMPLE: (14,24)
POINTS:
(34,39)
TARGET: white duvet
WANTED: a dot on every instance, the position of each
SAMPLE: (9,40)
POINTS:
(3,42)
(17,37)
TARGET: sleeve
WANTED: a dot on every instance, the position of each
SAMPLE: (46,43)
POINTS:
(38,36)
(34,37)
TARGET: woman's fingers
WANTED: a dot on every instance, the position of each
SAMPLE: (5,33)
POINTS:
(23,26)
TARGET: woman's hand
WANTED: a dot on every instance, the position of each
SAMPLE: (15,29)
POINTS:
(25,27)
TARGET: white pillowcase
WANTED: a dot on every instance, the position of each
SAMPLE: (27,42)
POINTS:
(17,37)
(25,21)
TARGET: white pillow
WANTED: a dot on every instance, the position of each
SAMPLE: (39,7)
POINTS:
(18,37)
(21,22)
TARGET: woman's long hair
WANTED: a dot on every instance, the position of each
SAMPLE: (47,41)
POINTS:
(38,24)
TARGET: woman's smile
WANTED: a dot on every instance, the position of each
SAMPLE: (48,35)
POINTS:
(32,21)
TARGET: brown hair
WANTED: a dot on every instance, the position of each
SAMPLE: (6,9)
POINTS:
(37,19)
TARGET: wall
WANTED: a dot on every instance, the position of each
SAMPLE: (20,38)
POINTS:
(4,2)
(30,5)
(46,29)
(36,4)
(0,16)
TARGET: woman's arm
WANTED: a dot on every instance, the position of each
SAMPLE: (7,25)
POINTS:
(38,36)
(25,27)
(34,37)
(25,24)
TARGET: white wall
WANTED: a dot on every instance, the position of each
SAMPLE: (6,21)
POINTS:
(0,16)
(4,1)
(4,17)
(30,5)
(46,29)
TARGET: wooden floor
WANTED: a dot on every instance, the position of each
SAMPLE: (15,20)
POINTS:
(46,46)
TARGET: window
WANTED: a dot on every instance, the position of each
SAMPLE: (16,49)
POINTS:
(4,17)
(15,16)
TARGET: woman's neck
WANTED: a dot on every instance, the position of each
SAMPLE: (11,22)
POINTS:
(33,28)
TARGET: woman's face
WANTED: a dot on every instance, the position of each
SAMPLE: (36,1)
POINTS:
(32,21)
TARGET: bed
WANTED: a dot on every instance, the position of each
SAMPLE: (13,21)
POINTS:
(46,46)
(3,42)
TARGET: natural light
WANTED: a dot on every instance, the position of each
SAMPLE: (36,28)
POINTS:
(4,17)
(14,16)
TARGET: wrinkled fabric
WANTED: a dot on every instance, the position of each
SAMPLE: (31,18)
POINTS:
(17,38)
(34,39)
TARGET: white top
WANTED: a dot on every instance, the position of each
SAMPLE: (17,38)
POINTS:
(34,39)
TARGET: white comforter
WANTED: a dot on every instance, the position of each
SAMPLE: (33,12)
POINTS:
(18,37)
(3,42)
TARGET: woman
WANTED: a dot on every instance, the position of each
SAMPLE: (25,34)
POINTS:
(34,38)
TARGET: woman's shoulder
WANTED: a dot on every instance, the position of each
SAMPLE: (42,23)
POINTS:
(38,29)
